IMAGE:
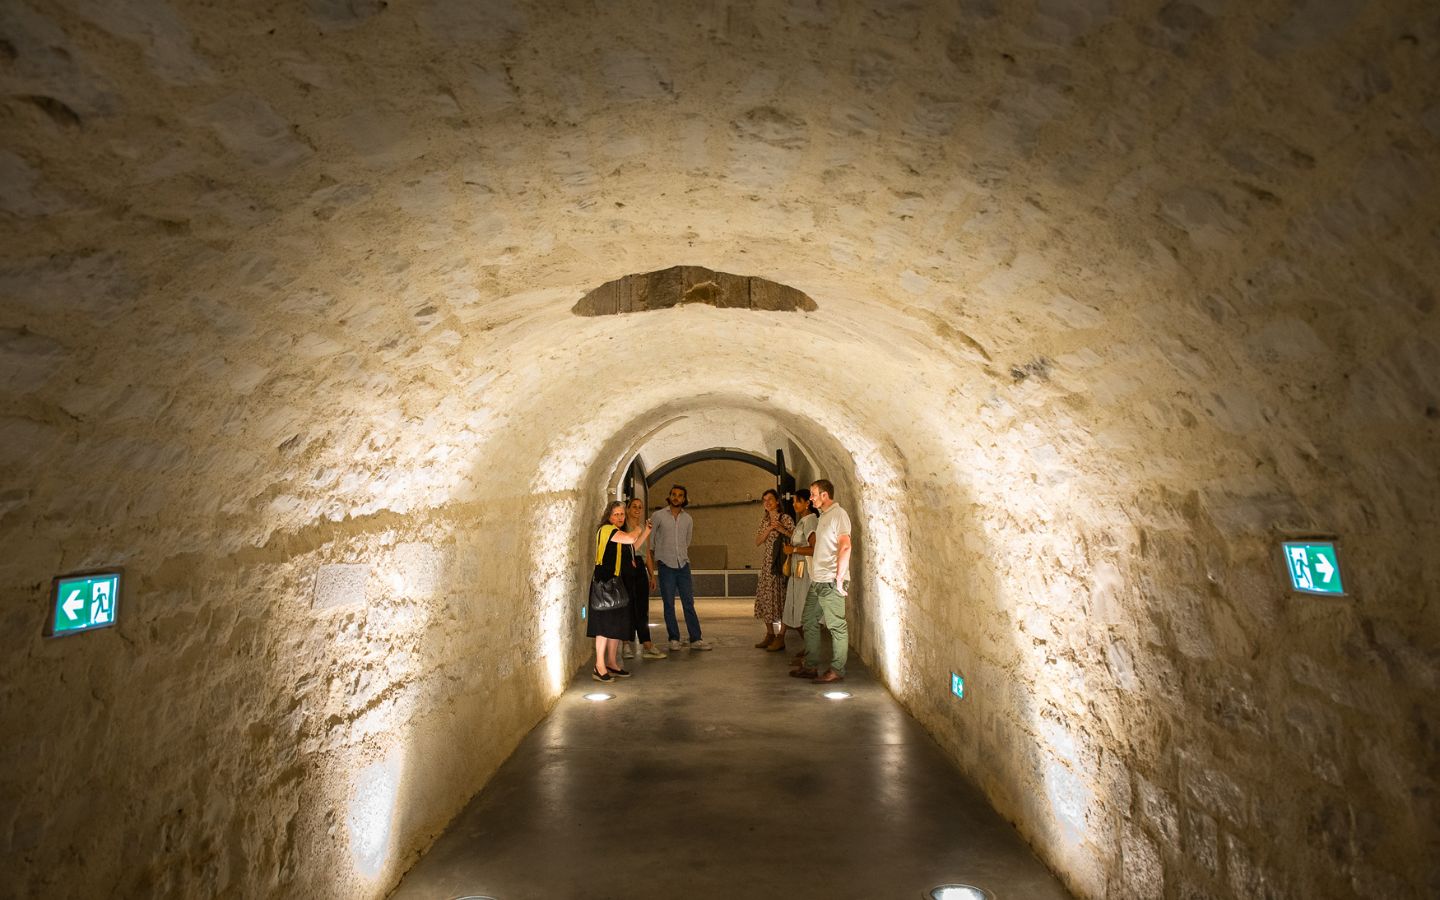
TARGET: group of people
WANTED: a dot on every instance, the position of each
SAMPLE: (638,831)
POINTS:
(643,553)
(805,595)
(808,592)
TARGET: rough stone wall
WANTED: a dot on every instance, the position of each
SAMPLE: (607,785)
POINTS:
(290,719)
(1111,297)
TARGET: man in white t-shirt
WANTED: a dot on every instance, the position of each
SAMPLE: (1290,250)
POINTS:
(825,602)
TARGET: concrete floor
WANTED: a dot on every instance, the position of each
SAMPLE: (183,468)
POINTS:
(713,775)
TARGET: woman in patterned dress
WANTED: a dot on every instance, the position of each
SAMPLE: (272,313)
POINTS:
(770,592)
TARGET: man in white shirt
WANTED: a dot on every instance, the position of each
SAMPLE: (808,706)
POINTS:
(670,542)
(825,602)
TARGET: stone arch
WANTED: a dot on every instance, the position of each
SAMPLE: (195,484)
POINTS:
(725,453)
(861,481)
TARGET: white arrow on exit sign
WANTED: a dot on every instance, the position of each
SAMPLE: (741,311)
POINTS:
(1322,565)
(72,604)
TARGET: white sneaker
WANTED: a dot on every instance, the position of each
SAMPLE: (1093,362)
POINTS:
(628,651)
(674,645)
(700,645)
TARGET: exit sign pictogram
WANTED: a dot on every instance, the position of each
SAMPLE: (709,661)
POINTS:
(83,603)
(1314,567)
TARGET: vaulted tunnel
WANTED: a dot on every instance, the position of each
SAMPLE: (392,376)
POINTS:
(1104,301)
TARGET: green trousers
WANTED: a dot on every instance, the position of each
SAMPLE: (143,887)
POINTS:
(825,606)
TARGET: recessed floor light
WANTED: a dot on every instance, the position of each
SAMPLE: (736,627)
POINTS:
(836,695)
(597,696)
(957,892)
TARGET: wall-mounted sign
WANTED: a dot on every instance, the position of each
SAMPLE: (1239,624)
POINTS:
(1314,567)
(83,603)
(957,685)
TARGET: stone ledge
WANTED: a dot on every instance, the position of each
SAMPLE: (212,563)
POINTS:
(690,284)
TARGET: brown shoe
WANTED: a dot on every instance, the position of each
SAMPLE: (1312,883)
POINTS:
(778,645)
(765,644)
(803,672)
(830,677)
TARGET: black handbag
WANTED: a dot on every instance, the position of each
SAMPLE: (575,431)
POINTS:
(607,591)
(778,557)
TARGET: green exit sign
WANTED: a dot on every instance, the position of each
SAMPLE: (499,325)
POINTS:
(957,685)
(83,603)
(1314,567)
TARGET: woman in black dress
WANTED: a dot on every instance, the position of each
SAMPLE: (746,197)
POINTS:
(639,582)
(614,549)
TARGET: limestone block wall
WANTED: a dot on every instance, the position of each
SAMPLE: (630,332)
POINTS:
(731,490)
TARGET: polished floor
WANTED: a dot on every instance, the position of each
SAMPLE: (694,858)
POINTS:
(713,775)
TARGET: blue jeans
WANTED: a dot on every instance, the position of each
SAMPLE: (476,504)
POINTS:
(672,580)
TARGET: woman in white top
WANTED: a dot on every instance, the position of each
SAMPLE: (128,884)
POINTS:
(800,548)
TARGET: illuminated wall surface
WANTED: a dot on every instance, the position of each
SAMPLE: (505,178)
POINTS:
(1111,299)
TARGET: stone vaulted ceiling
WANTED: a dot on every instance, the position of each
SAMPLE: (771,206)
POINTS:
(267,219)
